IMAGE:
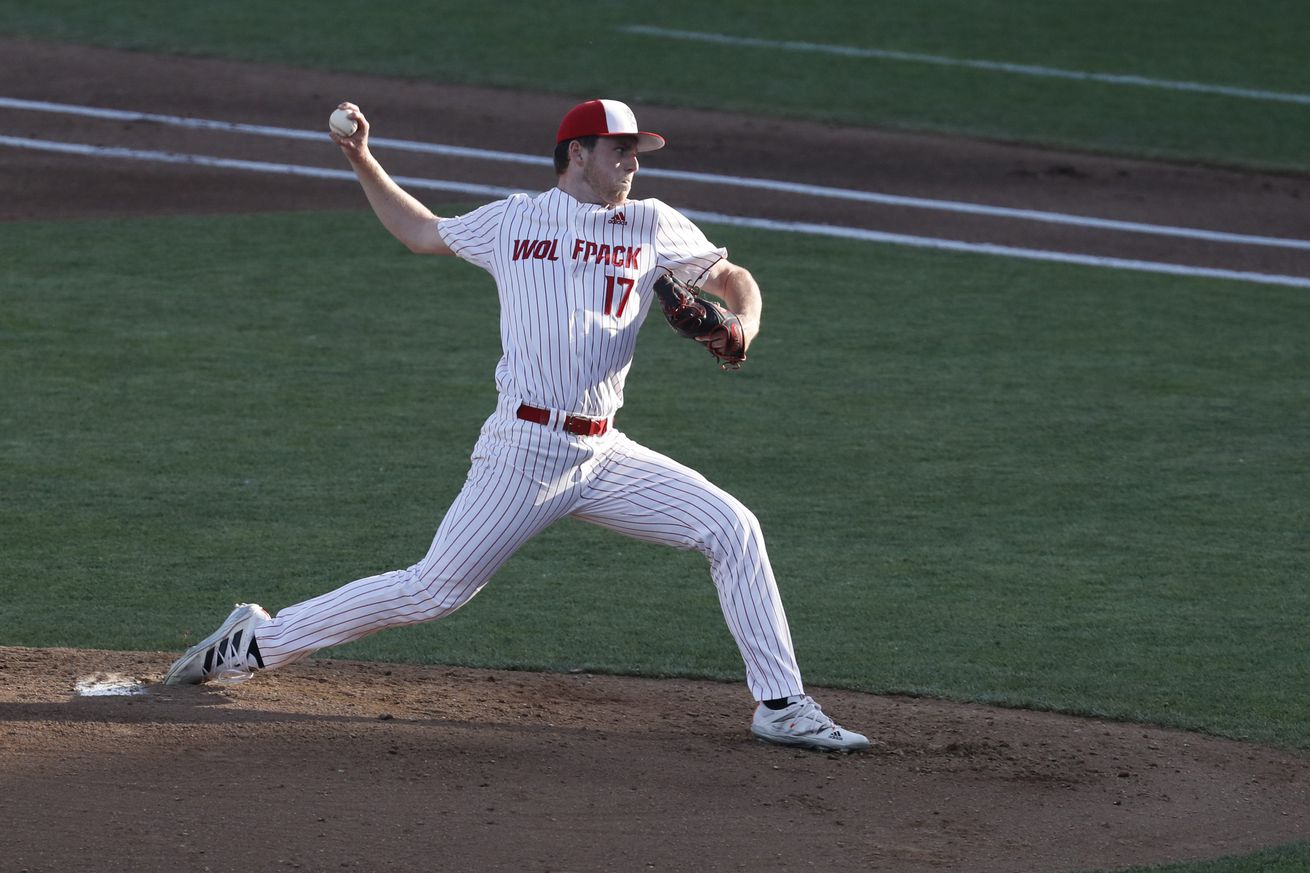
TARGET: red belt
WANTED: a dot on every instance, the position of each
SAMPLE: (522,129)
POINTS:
(577,424)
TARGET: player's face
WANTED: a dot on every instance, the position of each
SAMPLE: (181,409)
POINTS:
(609,167)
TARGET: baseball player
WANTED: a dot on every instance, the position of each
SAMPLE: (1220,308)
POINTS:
(576,269)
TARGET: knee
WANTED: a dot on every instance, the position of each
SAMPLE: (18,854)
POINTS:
(732,529)
(436,587)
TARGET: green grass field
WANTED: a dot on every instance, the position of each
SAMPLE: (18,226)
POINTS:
(1040,486)
(1034,485)
(582,50)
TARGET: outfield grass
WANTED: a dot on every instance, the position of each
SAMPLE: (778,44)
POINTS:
(1036,485)
(1255,45)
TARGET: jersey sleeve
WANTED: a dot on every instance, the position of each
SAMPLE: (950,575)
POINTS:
(681,247)
(472,236)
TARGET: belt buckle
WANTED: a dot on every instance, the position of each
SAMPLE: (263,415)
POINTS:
(583,426)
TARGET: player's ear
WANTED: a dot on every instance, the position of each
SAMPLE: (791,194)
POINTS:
(577,151)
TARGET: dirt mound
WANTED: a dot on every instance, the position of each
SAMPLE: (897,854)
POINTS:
(343,765)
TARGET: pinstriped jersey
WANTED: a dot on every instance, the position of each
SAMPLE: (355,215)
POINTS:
(575,282)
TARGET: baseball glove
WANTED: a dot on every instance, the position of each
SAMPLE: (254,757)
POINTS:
(695,316)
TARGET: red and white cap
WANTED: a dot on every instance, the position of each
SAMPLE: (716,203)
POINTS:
(606,118)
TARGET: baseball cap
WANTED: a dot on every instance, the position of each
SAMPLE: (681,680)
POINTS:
(606,118)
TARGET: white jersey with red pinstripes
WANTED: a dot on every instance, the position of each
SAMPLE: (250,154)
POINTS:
(575,282)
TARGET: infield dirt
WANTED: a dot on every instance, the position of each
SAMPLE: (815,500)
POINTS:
(338,765)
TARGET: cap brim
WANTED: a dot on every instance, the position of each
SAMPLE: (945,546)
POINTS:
(649,142)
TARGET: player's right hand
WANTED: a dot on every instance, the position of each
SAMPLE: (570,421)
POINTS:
(354,146)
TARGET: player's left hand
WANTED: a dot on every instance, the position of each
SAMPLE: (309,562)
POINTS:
(697,317)
(726,340)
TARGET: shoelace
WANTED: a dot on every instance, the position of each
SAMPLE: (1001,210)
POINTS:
(227,661)
(813,715)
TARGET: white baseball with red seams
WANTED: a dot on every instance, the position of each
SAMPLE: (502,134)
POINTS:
(341,123)
(575,283)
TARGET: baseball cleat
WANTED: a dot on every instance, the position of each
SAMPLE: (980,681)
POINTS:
(229,654)
(804,724)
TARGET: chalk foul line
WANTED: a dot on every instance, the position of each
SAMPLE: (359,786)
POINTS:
(853,233)
(971,63)
(807,190)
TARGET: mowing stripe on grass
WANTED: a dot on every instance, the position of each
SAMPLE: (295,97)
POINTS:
(682,175)
(994,66)
(716,218)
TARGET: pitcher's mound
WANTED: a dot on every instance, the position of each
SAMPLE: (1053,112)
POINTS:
(332,765)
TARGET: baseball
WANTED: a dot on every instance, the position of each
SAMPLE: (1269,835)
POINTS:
(341,123)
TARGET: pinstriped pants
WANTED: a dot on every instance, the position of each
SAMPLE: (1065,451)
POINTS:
(524,477)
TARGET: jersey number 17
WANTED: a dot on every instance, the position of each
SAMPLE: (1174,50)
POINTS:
(624,283)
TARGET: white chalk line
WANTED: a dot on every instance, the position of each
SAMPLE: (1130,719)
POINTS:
(69,148)
(897,200)
(973,63)
(877,236)
(853,233)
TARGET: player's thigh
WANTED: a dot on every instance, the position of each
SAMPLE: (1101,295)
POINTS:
(499,508)
(649,496)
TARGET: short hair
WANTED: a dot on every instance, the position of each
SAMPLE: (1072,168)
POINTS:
(562,151)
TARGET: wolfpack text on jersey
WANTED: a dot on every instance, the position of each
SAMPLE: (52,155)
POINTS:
(575,285)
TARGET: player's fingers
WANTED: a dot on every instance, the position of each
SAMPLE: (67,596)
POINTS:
(352,146)
(356,114)
(715,341)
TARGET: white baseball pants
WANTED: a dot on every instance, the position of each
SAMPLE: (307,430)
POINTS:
(524,477)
